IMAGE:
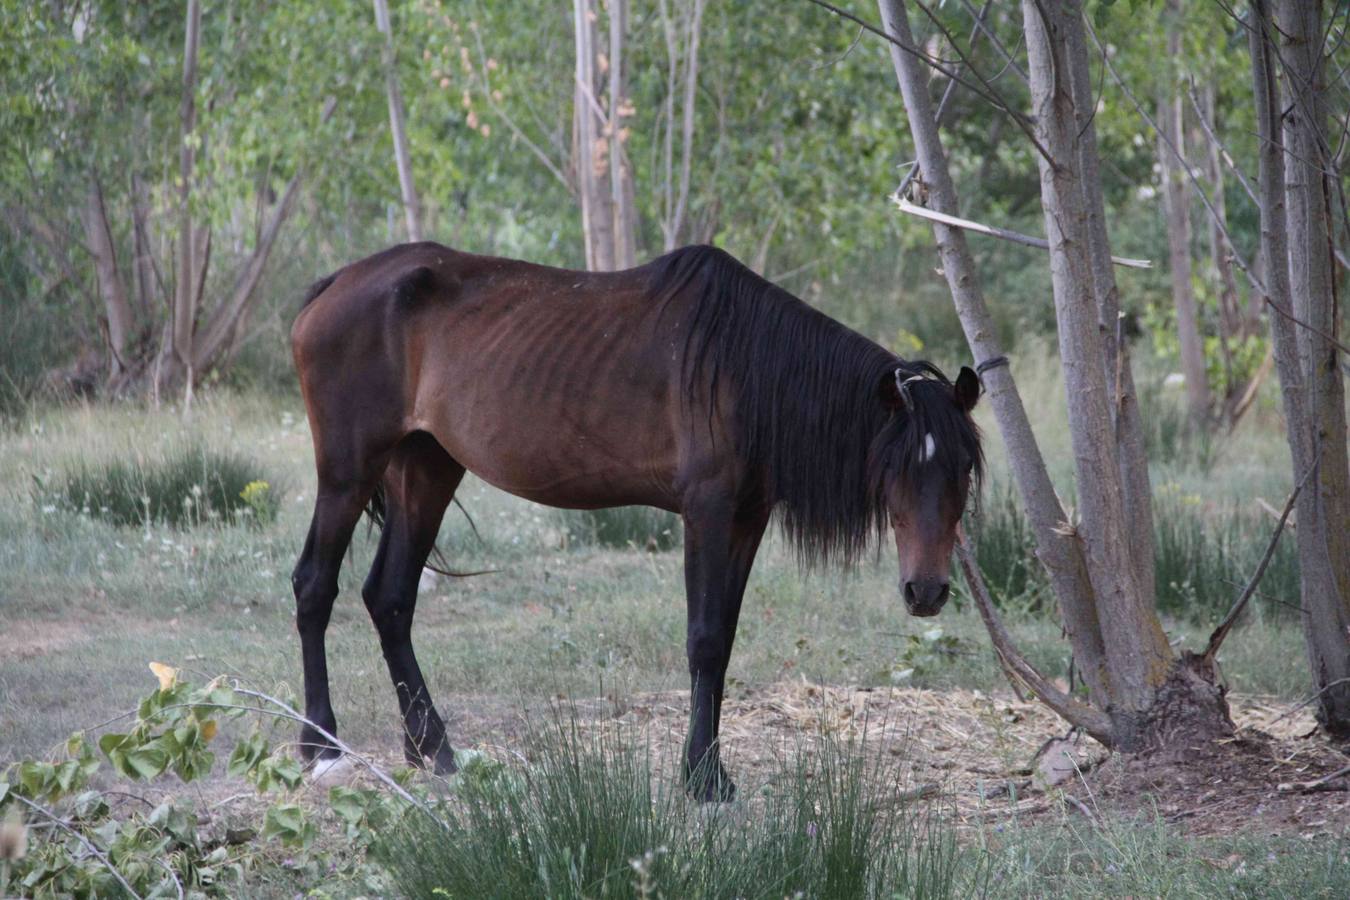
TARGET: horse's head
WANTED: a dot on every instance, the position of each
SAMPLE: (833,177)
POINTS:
(923,465)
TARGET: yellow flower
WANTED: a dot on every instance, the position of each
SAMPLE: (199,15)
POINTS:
(167,675)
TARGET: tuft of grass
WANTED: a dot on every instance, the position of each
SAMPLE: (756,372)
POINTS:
(192,485)
(640,527)
(1202,556)
(1117,858)
(1203,560)
(1006,550)
(587,819)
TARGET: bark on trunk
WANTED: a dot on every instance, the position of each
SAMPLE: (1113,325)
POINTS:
(1060,553)
(1294,225)
(682,77)
(597,216)
(219,332)
(185,289)
(1138,656)
(620,181)
(116,309)
(1131,453)
(402,157)
(1177,204)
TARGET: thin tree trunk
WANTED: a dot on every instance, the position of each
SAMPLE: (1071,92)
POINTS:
(1059,552)
(1300,238)
(143,260)
(620,174)
(1137,653)
(116,308)
(1131,452)
(1177,204)
(403,159)
(1233,324)
(592,146)
(185,289)
(215,337)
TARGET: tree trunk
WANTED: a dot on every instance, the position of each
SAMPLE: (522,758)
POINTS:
(185,289)
(620,173)
(1138,657)
(1231,317)
(402,158)
(1296,254)
(591,151)
(116,308)
(1176,203)
(1061,554)
(1131,453)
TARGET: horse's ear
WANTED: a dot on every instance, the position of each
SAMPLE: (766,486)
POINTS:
(967,388)
(889,390)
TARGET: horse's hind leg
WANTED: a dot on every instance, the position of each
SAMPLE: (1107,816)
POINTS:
(337,509)
(419,483)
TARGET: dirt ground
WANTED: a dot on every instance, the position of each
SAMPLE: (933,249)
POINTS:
(991,757)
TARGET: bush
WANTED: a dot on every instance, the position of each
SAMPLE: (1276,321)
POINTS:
(191,486)
(585,821)
(641,527)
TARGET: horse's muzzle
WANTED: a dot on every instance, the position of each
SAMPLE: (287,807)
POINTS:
(926,596)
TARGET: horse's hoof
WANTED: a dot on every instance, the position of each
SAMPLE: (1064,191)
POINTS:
(717,789)
(331,769)
(444,764)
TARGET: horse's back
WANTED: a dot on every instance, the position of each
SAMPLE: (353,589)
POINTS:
(526,374)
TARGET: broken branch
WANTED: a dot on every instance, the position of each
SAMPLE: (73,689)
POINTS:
(1017,238)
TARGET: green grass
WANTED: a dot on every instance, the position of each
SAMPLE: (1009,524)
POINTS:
(1150,859)
(188,487)
(85,604)
(639,527)
(587,818)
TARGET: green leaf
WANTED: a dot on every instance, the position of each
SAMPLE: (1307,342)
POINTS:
(147,762)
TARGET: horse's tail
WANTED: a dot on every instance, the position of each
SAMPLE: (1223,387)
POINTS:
(376,511)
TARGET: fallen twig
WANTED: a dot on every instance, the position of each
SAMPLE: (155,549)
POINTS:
(1289,712)
(1317,784)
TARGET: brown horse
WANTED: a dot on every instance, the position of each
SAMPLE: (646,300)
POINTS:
(689,384)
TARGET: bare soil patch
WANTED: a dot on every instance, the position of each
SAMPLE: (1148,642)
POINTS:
(982,754)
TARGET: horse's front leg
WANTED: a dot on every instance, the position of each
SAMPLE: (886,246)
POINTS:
(719,549)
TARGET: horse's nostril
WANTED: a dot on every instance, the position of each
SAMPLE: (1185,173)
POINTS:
(910,596)
(942,594)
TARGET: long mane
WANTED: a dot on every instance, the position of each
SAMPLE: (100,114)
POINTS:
(809,419)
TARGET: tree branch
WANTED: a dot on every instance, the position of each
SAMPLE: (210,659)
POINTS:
(993,98)
(1015,665)
(1217,638)
(993,231)
(88,845)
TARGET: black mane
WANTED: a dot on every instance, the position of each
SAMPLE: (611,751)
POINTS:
(809,411)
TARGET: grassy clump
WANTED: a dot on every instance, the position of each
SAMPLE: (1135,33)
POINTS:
(1202,556)
(190,486)
(640,527)
(588,819)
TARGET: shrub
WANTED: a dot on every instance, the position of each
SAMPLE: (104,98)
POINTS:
(191,486)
